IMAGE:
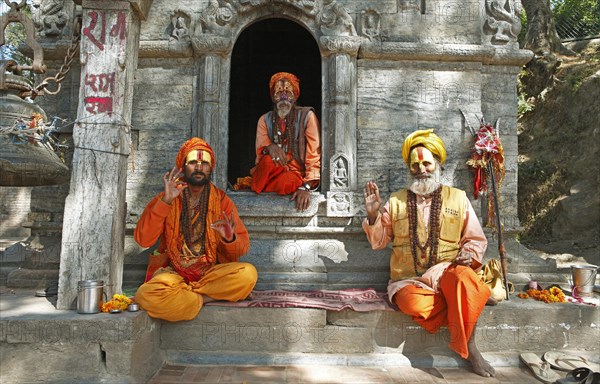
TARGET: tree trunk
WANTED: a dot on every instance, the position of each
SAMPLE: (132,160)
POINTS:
(541,36)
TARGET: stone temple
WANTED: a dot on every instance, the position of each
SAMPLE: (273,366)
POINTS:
(151,74)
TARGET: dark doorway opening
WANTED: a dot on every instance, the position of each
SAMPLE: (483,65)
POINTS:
(267,47)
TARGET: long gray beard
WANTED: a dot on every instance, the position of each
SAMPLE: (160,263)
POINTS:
(283,109)
(425,186)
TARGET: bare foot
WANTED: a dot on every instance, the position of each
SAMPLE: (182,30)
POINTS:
(491,301)
(480,365)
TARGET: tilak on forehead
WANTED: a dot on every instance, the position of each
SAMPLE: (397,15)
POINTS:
(420,155)
(199,156)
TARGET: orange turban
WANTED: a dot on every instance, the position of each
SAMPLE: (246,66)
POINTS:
(194,144)
(289,77)
(429,140)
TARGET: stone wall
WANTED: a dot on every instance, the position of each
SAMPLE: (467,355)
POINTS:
(389,67)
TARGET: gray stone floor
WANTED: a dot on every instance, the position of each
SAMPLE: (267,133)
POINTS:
(333,374)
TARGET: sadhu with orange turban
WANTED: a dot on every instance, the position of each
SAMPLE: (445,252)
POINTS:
(201,240)
(438,245)
(288,145)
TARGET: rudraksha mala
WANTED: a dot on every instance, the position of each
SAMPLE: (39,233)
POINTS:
(194,233)
(433,235)
(285,139)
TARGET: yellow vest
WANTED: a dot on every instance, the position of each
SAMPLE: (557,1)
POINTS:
(453,214)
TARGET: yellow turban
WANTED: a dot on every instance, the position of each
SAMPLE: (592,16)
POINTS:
(426,138)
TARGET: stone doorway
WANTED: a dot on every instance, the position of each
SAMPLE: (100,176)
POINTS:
(262,49)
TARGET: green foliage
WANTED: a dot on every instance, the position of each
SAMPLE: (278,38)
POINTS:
(576,17)
(14,35)
(523,105)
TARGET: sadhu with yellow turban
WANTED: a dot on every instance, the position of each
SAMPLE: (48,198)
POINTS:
(201,240)
(288,145)
(438,245)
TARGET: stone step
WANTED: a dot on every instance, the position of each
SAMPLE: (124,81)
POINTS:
(225,335)
(39,343)
(130,347)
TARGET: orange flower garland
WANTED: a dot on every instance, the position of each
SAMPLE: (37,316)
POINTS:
(118,301)
(551,295)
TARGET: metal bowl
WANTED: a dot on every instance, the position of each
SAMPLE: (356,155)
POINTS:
(133,307)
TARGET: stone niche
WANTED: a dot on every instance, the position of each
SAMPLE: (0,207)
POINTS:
(384,68)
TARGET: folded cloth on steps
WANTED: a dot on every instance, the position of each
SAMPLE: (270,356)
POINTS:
(359,300)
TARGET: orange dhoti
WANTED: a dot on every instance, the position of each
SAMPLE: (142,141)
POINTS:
(167,296)
(270,177)
(458,304)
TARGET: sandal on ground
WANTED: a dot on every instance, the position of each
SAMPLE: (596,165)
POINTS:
(566,361)
(578,376)
(541,369)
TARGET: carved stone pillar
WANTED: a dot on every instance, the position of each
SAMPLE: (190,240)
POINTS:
(210,119)
(94,216)
(339,133)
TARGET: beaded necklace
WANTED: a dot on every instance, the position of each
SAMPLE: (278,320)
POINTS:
(433,235)
(194,233)
(284,134)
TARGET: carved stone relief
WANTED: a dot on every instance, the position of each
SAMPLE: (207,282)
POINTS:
(502,20)
(49,17)
(371,24)
(340,176)
(334,20)
(215,18)
(340,204)
(180,25)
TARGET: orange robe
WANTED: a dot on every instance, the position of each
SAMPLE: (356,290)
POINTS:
(268,177)
(459,295)
(174,286)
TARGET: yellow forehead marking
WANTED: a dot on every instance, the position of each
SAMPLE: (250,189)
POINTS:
(198,156)
(419,155)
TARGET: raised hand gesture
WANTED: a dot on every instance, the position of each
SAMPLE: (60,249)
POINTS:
(225,227)
(372,201)
(173,186)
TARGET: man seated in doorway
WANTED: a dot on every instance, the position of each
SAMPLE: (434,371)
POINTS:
(288,147)
(201,239)
(438,245)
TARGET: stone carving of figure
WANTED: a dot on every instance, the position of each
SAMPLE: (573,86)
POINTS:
(370,24)
(503,20)
(340,174)
(341,203)
(49,18)
(335,20)
(215,17)
(180,29)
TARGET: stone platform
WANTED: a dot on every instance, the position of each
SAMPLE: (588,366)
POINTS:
(39,343)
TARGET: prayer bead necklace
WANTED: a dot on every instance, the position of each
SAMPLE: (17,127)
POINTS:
(284,139)
(194,233)
(433,235)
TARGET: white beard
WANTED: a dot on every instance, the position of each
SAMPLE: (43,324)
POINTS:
(426,185)
(283,108)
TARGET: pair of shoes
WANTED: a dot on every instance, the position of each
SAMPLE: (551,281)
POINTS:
(541,369)
(568,361)
(581,376)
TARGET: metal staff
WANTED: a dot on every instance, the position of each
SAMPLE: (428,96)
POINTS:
(501,248)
